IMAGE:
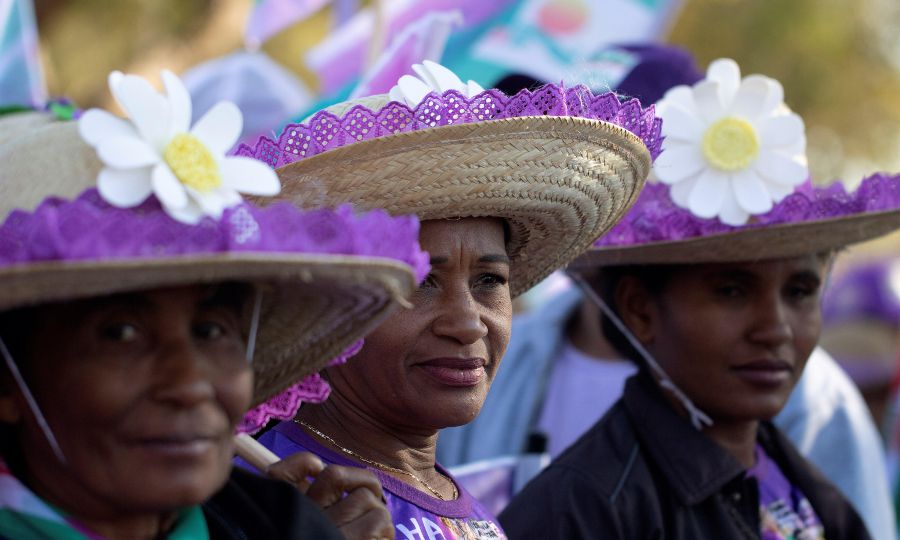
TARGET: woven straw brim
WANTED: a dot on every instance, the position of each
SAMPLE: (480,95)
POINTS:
(751,244)
(560,182)
(314,306)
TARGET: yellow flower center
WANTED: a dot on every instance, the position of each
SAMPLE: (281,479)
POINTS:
(192,163)
(730,144)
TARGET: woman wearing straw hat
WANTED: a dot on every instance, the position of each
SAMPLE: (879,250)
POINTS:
(508,188)
(714,282)
(139,320)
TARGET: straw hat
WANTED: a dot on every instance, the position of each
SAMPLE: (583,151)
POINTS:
(560,165)
(733,185)
(313,307)
(755,242)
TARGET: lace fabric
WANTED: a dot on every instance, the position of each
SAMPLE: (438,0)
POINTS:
(311,389)
(87,228)
(655,218)
(326,131)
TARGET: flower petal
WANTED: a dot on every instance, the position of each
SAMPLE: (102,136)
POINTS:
(167,188)
(751,97)
(114,80)
(677,162)
(147,109)
(412,89)
(179,103)
(682,96)
(681,192)
(775,97)
(220,127)
(126,153)
(706,198)
(680,124)
(473,89)
(248,175)
(709,101)
(124,188)
(732,213)
(727,73)
(190,214)
(751,192)
(211,203)
(444,79)
(781,168)
(781,130)
(777,191)
(96,125)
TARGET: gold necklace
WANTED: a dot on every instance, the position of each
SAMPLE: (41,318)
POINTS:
(382,466)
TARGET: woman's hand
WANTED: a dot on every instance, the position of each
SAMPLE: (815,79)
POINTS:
(351,497)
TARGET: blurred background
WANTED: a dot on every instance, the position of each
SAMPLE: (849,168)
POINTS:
(839,62)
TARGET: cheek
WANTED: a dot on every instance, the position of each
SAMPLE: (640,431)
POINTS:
(499,323)
(807,329)
(235,393)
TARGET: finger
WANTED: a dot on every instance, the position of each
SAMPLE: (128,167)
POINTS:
(374,524)
(370,527)
(331,484)
(296,469)
(353,506)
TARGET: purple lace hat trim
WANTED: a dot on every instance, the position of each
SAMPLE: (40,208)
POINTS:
(325,131)
(655,218)
(88,228)
(312,389)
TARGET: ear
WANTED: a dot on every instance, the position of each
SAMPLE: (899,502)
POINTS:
(10,402)
(637,307)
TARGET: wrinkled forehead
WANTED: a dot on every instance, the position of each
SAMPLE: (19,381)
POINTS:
(470,236)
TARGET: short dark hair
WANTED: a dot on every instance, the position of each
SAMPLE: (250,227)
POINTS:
(605,282)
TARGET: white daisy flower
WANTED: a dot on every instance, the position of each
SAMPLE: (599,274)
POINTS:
(433,77)
(157,152)
(732,146)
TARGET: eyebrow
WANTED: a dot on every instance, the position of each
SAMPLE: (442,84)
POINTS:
(491,258)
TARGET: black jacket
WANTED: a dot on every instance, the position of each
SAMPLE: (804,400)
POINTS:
(251,507)
(643,472)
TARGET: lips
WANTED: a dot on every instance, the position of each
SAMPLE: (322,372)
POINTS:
(177,446)
(457,372)
(765,372)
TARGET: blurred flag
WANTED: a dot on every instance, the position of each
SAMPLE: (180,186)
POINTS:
(268,17)
(553,40)
(266,92)
(424,39)
(21,75)
(340,60)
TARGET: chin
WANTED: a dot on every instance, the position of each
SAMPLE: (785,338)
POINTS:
(178,487)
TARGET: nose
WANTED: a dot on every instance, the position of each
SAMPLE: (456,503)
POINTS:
(183,375)
(460,318)
(772,325)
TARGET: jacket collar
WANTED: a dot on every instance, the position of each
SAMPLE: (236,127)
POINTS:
(694,465)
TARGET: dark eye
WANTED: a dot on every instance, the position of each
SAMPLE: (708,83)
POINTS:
(491,280)
(209,330)
(429,282)
(120,332)
(729,291)
(802,292)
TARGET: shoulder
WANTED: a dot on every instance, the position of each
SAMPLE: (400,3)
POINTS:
(252,507)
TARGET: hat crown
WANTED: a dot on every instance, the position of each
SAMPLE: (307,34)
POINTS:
(49,160)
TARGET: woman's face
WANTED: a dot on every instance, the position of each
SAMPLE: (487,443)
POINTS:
(431,366)
(735,337)
(142,391)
